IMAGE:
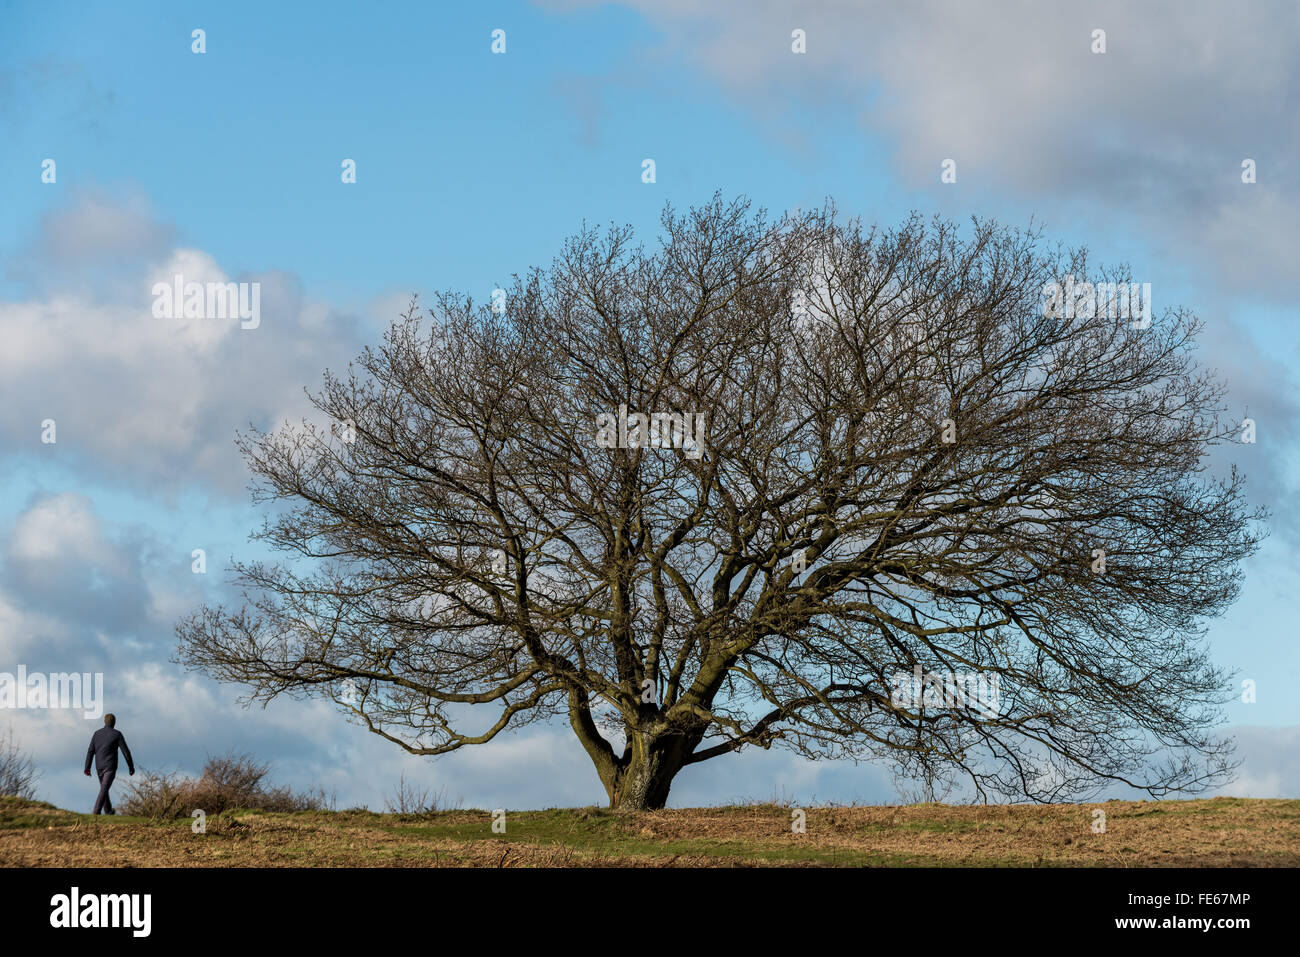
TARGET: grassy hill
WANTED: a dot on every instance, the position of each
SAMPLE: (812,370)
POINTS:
(1219,832)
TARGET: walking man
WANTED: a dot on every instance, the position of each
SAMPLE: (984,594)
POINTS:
(103,748)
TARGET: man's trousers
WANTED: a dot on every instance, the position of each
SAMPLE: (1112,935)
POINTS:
(105,782)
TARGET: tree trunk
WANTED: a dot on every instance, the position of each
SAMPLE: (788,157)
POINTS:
(644,775)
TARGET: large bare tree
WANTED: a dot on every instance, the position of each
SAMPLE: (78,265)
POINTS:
(769,482)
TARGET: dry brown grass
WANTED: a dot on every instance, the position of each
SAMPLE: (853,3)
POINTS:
(1218,832)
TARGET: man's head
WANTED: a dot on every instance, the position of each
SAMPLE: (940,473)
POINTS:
(110,719)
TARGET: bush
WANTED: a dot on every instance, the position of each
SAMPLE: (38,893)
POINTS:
(230,782)
(411,799)
(18,772)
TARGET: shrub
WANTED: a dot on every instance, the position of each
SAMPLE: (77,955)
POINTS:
(18,772)
(229,782)
(408,798)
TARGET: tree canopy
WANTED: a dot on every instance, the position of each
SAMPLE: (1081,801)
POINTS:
(784,481)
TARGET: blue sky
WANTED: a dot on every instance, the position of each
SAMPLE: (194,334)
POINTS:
(473,166)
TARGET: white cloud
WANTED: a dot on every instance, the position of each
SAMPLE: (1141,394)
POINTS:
(156,401)
(1152,132)
(58,526)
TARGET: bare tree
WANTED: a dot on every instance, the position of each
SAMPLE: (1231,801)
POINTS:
(912,464)
(18,773)
(933,786)
(409,798)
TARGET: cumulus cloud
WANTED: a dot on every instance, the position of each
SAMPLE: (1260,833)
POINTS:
(63,565)
(86,245)
(1153,131)
(153,401)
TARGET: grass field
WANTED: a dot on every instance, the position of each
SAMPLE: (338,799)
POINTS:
(1216,832)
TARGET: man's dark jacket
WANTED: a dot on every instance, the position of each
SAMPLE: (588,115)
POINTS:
(103,748)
